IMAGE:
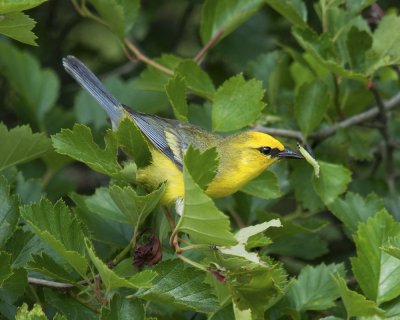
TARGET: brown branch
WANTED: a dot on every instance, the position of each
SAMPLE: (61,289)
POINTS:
(141,57)
(207,46)
(383,129)
(325,133)
(357,119)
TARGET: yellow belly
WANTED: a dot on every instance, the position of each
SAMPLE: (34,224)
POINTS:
(227,181)
(162,170)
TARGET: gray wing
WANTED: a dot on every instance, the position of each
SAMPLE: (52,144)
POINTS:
(172,137)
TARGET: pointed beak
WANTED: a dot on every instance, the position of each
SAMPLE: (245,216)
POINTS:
(287,153)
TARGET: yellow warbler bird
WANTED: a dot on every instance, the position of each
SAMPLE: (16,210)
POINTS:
(242,157)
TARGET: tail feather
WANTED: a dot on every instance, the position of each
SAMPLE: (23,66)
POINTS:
(92,84)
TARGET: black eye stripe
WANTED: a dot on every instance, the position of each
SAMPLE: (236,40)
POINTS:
(265,150)
(268,151)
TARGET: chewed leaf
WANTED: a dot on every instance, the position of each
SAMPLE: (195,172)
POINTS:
(243,236)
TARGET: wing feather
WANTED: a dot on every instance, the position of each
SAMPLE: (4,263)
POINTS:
(172,137)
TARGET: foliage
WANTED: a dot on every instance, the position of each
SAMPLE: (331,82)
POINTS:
(81,239)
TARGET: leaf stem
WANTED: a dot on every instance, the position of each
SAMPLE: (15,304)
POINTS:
(195,246)
(193,263)
(207,46)
(141,57)
(85,12)
(129,247)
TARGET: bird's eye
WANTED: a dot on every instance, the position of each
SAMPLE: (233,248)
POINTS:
(265,150)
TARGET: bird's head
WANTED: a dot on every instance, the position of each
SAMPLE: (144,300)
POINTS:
(270,147)
(259,150)
(243,157)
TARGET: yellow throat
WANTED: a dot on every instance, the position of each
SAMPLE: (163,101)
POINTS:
(240,161)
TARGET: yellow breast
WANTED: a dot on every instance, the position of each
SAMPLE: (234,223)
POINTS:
(162,169)
(239,162)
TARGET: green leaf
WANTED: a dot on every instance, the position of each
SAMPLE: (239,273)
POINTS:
(181,287)
(196,162)
(123,204)
(225,16)
(133,142)
(357,6)
(243,235)
(28,190)
(9,212)
(153,79)
(123,308)
(5,267)
(358,42)
(18,5)
(303,245)
(36,313)
(312,102)
(376,271)
(20,145)
(37,88)
(265,186)
(18,26)
(354,209)
(301,181)
(293,10)
(119,15)
(315,288)
(176,92)
(56,226)
(135,208)
(111,280)
(45,265)
(197,80)
(103,205)
(14,286)
(386,44)
(22,245)
(100,226)
(356,304)
(237,103)
(392,246)
(200,218)
(68,306)
(254,286)
(78,144)
(322,49)
(332,182)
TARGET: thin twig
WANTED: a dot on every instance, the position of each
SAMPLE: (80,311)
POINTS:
(49,283)
(193,263)
(207,46)
(121,70)
(325,133)
(141,57)
(355,120)
(238,219)
(388,149)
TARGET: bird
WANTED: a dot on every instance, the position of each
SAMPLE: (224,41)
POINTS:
(242,156)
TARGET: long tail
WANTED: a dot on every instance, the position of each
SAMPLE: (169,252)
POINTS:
(92,84)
